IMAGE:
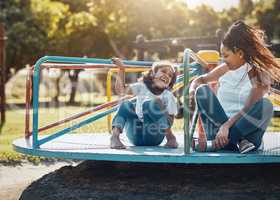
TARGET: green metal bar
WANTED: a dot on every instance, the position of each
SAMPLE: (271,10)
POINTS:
(36,81)
(78,125)
(78,60)
(60,59)
(193,124)
(37,143)
(186,62)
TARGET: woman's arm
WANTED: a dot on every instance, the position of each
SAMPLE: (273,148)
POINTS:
(211,76)
(256,93)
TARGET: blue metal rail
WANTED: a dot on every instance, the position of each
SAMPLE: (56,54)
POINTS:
(59,59)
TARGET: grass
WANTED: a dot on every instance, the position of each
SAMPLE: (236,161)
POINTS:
(14,128)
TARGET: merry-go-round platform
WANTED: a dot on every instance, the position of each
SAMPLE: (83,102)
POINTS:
(96,147)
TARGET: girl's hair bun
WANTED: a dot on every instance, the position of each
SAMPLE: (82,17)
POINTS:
(158,64)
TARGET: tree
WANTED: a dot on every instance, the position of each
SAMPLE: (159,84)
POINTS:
(266,15)
(26,40)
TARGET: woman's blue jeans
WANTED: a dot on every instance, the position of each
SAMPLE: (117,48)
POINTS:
(150,131)
(250,126)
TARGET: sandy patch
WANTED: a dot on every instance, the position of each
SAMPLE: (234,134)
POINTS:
(14,179)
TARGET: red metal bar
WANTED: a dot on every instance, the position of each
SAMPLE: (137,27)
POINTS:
(88,66)
(85,66)
(111,103)
(28,102)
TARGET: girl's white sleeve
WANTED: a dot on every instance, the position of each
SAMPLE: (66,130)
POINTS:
(172,106)
(136,88)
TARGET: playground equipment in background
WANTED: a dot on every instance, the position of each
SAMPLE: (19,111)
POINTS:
(96,146)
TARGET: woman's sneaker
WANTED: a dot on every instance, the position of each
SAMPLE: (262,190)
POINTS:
(245,146)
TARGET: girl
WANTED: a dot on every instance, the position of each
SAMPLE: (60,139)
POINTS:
(150,120)
(238,116)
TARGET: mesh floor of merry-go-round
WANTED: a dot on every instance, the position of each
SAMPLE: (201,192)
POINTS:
(95,146)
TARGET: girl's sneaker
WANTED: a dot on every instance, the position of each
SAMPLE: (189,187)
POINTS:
(245,146)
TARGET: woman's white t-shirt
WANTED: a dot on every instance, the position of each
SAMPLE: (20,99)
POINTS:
(143,94)
(234,89)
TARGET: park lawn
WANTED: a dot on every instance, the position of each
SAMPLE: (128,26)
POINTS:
(14,127)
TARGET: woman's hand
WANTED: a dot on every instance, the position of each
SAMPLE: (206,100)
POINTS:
(221,139)
(192,100)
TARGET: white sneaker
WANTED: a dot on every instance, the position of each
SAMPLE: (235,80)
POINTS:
(245,146)
(261,147)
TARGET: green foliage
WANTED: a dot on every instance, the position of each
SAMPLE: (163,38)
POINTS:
(266,15)
(25,39)
(104,28)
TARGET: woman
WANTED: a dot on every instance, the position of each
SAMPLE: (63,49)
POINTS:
(238,116)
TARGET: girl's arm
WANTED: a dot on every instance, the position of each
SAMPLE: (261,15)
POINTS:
(120,80)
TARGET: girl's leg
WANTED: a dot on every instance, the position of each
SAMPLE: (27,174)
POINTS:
(134,131)
(126,113)
(253,123)
(156,124)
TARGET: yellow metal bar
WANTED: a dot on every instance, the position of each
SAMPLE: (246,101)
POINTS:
(109,86)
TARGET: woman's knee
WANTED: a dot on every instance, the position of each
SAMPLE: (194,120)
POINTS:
(202,92)
(264,107)
(267,106)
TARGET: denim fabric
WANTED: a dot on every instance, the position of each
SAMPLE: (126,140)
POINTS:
(250,126)
(147,132)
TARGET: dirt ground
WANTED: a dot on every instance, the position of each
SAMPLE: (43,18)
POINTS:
(132,181)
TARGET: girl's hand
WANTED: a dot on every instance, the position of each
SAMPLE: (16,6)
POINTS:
(222,137)
(118,62)
(120,80)
(160,103)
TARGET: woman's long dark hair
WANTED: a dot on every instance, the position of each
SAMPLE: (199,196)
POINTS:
(251,42)
(148,80)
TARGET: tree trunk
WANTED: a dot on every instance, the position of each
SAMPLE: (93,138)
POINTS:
(74,82)
(115,48)
(56,97)
(3,74)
